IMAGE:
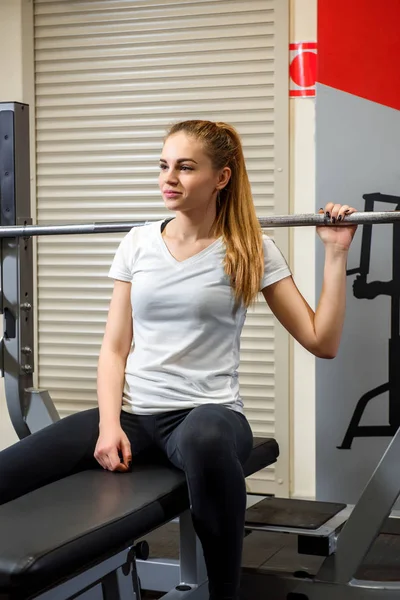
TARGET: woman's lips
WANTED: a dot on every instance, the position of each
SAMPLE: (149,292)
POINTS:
(170,194)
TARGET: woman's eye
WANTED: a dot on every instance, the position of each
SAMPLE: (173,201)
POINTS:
(182,167)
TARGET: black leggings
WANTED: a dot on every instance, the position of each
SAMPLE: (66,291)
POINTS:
(209,443)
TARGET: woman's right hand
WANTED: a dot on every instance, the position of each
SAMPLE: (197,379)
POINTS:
(112,444)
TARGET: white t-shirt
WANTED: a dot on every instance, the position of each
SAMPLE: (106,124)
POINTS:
(186,335)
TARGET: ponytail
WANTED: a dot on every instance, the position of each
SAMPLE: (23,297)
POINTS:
(236,219)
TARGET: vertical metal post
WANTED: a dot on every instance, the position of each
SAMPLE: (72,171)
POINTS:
(192,565)
(394,342)
(24,404)
(365,256)
(17,375)
(109,587)
(1,299)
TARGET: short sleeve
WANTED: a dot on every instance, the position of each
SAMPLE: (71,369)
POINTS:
(121,266)
(275,265)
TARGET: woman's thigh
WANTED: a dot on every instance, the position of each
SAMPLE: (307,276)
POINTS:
(210,434)
(49,454)
(61,449)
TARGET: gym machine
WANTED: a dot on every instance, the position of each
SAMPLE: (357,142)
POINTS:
(363,289)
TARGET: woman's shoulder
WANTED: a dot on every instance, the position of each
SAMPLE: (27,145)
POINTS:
(273,256)
(141,233)
(268,241)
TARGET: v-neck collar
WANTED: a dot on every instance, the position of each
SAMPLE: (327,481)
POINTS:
(180,263)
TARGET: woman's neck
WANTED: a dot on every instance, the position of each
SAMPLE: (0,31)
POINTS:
(192,226)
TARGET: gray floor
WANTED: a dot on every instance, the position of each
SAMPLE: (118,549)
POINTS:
(259,550)
(262,551)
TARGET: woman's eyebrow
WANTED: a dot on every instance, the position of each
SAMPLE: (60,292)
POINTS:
(180,160)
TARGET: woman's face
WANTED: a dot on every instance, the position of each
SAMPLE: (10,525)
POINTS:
(187,179)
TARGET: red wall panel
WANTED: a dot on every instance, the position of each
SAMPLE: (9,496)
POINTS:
(359,48)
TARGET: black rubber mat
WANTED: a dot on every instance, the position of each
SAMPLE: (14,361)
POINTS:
(382,562)
(287,512)
(391,526)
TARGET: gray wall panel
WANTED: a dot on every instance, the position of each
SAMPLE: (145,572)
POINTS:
(358,152)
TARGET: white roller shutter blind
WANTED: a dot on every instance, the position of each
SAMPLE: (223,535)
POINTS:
(110,76)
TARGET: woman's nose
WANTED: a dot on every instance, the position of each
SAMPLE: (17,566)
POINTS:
(170,176)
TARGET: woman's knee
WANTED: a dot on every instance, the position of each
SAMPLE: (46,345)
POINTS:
(208,436)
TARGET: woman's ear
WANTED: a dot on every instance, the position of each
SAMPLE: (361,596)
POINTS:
(224,177)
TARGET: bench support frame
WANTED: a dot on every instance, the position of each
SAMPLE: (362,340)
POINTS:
(162,575)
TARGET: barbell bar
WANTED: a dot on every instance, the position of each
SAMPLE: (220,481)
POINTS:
(358,218)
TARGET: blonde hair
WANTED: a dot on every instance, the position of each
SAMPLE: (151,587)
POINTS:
(236,219)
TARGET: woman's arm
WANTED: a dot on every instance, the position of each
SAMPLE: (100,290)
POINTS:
(113,354)
(318,332)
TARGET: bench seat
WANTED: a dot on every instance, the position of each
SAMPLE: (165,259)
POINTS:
(64,528)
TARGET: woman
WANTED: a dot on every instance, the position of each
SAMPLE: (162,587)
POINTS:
(171,344)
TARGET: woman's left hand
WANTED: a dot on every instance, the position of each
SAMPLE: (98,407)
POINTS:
(341,236)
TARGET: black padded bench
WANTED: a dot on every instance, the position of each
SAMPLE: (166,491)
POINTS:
(66,528)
